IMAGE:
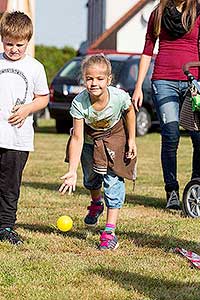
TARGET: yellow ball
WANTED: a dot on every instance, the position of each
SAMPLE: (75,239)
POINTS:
(64,223)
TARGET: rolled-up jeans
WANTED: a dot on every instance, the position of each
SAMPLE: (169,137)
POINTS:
(168,97)
(114,186)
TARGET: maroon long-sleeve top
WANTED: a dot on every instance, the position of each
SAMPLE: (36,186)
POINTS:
(173,53)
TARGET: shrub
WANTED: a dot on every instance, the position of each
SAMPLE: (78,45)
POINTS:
(53,58)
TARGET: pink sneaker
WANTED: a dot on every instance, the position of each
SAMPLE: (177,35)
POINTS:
(108,241)
(95,210)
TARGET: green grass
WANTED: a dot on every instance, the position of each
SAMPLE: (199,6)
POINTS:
(52,265)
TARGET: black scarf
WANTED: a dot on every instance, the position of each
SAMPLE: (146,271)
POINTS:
(171,20)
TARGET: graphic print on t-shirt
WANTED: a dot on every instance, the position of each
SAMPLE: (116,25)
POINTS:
(19,73)
(18,93)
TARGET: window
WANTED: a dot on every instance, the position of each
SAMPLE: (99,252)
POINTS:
(72,70)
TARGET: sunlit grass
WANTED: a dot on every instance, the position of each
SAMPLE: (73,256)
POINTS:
(52,265)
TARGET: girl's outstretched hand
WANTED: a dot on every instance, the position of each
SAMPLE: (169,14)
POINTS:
(69,183)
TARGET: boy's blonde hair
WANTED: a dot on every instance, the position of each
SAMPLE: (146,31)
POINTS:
(16,25)
(96,59)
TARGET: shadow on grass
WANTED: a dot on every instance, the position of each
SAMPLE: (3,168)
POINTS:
(165,242)
(153,288)
(51,186)
(36,227)
(79,233)
(131,199)
(145,201)
(140,239)
(50,129)
(184,132)
(41,185)
(47,129)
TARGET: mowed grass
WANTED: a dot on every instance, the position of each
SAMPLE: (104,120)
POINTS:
(52,265)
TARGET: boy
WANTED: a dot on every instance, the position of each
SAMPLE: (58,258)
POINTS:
(23,91)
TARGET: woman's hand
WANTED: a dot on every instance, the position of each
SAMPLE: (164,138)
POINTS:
(137,98)
(69,183)
(19,114)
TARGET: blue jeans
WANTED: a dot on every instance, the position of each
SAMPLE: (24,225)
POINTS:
(168,97)
(114,186)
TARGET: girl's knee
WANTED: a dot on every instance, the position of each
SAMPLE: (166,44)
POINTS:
(114,202)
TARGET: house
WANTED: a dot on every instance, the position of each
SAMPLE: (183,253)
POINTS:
(118,25)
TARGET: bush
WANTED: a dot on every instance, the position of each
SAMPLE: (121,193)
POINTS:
(53,58)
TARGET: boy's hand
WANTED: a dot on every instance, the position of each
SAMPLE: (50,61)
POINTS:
(132,150)
(19,114)
(69,183)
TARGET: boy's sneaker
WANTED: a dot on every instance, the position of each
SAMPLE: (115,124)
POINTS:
(95,210)
(8,234)
(173,201)
(108,241)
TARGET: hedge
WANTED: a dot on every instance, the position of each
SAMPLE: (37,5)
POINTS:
(53,58)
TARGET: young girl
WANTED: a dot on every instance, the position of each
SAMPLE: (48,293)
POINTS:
(106,148)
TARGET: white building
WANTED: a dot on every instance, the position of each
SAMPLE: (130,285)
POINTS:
(118,24)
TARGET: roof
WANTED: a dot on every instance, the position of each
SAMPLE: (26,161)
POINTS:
(120,23)
(109,51)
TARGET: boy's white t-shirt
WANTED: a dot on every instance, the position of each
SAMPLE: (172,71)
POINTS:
(19,81)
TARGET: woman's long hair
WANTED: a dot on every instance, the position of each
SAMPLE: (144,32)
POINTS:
(189,10)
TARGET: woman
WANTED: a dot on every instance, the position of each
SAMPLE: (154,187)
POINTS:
(175,23)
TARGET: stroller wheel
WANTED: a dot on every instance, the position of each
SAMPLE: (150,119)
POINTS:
(191,198)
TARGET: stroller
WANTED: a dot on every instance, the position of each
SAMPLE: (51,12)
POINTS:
(190,119)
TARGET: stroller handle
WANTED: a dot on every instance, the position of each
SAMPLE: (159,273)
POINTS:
(188,65)
(190,77)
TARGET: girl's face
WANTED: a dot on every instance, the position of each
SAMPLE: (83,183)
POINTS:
(96,80)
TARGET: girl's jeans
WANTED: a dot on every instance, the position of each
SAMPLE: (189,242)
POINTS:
(168,97)
(114,186)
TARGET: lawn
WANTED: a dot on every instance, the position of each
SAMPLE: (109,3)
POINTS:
(56,266)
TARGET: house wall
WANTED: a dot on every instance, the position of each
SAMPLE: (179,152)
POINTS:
(115,9)
(131,37)
(102,14)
